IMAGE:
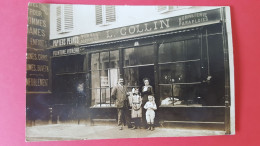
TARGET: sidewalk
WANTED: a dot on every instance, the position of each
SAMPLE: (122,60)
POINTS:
(83,132)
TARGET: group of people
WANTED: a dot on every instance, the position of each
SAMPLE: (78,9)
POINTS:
(142,105)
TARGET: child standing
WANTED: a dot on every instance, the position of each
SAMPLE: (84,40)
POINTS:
(136,112)
(150,106)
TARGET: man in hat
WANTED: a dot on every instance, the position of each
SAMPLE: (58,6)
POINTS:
(119,94)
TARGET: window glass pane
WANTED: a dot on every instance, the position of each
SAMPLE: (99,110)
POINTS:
(114,59)
(171,52)
(104,60)
(114,76)
(193,71)
(185,72)
(105,95)
(95,79)
(131,76)
(139,55)
(193,49)
(104,78)
(95,61)
(95,96)
(166,94)
(172,73)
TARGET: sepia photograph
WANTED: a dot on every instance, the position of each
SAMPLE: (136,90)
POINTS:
(119,71)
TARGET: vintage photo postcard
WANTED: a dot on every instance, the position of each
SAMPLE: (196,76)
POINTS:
(111,71)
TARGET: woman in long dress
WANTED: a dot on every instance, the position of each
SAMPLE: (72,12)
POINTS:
(147,90)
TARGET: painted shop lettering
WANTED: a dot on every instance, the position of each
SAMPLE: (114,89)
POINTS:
(38,68)
(41,7)
(142,28)
(90,37)
(193,19)
(65,41)
(37,82)
(36,21)
(38,57)
(36,31)
(38,42)
(66,52)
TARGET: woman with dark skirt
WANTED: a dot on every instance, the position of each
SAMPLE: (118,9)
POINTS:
(147,89)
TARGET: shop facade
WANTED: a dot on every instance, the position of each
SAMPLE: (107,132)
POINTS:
(185,58)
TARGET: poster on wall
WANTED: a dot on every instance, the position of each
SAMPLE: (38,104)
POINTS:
(113,71)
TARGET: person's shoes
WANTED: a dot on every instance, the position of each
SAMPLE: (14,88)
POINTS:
(133,128)
(149,127)
(152,128)
(120,127)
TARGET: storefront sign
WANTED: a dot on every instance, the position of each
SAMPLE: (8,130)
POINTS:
(65,52)
(37,69)
(149,28)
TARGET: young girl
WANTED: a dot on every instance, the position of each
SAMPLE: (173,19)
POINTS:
(136,112)
(150,106)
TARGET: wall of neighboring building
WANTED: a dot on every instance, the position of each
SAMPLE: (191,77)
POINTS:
(84,18)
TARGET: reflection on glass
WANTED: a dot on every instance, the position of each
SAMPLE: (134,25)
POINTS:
(95,61)
(165,92)
(95,79)
(114,59)
(104,78)
(131,76)
(95,96)
(193,49)
(185,72)
(171,52)
(104,60)
(179,51)
(138,56)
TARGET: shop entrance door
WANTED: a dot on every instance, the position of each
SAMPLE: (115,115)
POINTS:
(146,72)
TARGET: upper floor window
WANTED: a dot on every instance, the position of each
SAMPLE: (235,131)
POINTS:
(165,9)
(64,18)
(105,14)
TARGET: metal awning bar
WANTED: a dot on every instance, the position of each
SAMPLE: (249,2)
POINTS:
(179,61)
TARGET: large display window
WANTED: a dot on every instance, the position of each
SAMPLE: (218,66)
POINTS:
(138,64)
(179,72)
(104,76)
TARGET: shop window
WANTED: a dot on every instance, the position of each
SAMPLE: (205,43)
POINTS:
(184,72)
(68,64)
(64,18)
(105,14)
(104,76)
(131,76)
(164,9)
(179,71)
(170,52)
(139,56)
(67,74)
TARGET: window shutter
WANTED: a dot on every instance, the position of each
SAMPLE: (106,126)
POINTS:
(64,14)
(99,19)
(68,17)
(110,14)
(58,18)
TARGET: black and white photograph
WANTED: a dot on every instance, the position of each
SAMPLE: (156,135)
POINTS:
(119,71)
